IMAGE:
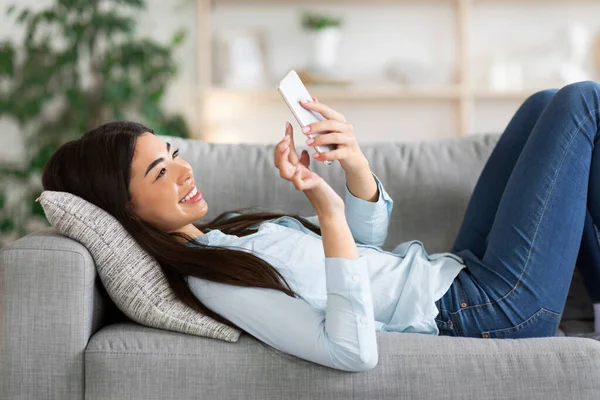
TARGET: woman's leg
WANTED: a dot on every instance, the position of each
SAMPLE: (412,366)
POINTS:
(483,204)
(534,241)
(481,210)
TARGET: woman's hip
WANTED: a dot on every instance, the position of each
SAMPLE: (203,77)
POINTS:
(467,309)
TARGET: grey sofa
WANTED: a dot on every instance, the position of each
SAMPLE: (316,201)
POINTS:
(63,338)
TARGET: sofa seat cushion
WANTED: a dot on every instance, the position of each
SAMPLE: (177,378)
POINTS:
(130,361)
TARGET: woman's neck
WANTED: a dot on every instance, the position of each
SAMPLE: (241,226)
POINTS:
(191,230)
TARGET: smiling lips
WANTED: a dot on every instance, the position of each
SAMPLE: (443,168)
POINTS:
(188,193)
(193,196)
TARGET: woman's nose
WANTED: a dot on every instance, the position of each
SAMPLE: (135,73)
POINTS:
(185,175)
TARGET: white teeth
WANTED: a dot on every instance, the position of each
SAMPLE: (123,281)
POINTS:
(189,196)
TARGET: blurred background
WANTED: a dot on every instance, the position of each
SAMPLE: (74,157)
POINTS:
(399,70)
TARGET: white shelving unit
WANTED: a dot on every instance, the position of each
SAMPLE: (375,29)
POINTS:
(462,95)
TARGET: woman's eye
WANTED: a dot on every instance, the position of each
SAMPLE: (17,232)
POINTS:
(163,170)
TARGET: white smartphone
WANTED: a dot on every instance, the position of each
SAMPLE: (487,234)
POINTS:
(293,90)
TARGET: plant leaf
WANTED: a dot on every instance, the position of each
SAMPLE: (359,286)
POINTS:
(178,38)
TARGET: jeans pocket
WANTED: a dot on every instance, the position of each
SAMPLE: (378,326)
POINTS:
(543,323)
(444,321)
(446,328)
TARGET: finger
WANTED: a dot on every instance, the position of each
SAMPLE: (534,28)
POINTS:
(329,125)
(315,99)
(289,132)
(303,183)
(278,149)
(284,144)
(297,178)
(330,138)
(286,169)
(338,154)
(324,110)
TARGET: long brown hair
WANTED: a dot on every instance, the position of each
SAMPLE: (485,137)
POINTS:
(97,168)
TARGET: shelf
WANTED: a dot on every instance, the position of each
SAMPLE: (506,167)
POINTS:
(303,2)
(520,94)
(348,93)
(370,93)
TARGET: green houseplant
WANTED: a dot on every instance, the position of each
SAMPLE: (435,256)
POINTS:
(325,31)
(316,21)
(79,65)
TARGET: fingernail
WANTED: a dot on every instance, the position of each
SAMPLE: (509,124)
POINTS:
(287,124)
(316,155)
(303,101)
(306,129)
(286,138)
(310,141)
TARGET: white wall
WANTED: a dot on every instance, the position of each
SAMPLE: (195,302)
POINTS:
(373,35)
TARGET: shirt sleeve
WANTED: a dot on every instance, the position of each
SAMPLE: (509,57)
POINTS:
(368,221)
(342,336)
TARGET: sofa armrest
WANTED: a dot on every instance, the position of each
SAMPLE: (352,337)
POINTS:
(49,309)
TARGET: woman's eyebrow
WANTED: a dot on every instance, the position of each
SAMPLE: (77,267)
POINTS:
(158,160)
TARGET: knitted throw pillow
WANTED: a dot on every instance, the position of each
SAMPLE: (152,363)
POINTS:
(133,279)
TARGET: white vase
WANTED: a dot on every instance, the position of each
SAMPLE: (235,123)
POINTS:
(325,47)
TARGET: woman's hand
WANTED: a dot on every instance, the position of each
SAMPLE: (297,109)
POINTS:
(296,170)
(341,133)
(293,168)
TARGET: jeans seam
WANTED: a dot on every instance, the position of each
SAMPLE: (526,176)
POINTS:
(461,293)
(455,323)
(552,314)
(593,112)
(519,327)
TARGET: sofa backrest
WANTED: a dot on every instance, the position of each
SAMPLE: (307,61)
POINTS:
(430,182)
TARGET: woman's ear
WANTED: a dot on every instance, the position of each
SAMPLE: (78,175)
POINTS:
(132,204)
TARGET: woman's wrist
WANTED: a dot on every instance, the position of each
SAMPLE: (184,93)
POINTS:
(337,238)
(331,216)
(325,201)
(356,165)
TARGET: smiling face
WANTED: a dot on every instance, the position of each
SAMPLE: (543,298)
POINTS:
(160,179)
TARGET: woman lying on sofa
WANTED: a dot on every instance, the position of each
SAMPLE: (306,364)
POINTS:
(320,287)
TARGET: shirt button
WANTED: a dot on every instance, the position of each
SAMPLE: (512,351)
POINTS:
(363,320)
(355,278)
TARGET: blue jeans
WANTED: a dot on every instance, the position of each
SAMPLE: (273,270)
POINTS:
(529,221)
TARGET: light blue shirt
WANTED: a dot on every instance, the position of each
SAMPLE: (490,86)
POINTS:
(344,301)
